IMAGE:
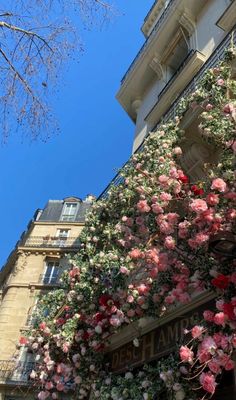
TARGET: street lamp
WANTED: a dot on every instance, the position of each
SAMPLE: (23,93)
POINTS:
(223,244)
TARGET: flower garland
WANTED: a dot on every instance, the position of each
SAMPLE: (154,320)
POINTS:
(145,251)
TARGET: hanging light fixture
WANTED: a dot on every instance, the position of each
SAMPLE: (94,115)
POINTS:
(223,244)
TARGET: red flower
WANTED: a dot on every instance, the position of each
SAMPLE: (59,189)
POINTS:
(197,191)
(228,309)
(99,317)
(23,340)
(183,178)
(105,300)
(85,336)
(221,282)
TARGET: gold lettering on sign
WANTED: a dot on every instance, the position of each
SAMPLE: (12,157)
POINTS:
(147,346)
(173,333)
(115,360)
(156,343)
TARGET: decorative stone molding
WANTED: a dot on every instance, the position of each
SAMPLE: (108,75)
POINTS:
(136,105)
(156,66)
(193,160)
(187,21)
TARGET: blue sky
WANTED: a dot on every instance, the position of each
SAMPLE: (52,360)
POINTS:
(95,136)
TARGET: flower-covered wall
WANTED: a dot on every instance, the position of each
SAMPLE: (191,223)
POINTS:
(153,245)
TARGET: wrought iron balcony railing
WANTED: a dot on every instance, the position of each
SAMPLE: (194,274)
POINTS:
(47,279)
(171,113)
(51,241)
(16,371)
(156,27)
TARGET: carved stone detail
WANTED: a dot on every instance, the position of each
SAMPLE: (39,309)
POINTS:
(136,104)
(187,21)
(193,160)
(156,66)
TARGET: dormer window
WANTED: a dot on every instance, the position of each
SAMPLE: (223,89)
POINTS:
(69,212)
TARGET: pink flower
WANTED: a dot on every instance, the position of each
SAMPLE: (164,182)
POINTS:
(124,270)
(219,318)
(130,298)
(143,206)
(198,206)
(208,315)
(169,243)
(228,108)
(207,381)
(157,209)
(219,184)
(209,107)
(212,199)
(165,196)
(220,82)
(135,253)
(196,331)
(43,395)
(163,179)
(229,365)
(177,151)
(49,385)
(115,321)
(214,366)
(143,289)
(186,354)
(60,387)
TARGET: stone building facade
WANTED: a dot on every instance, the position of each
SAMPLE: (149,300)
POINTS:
(32,269)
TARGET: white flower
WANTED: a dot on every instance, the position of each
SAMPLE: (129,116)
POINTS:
(98,329)
(129,375)
(136,342)
(145,396)
(108,381)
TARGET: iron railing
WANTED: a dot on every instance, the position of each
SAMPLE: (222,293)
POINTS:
(51,241)
(177,72)
(16,371)
(171,113)
(49,279)
(215,58)
(156,27)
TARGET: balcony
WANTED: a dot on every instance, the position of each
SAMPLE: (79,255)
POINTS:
(182,76)
(16,372)
(216,57)
(51,242)
(156,27)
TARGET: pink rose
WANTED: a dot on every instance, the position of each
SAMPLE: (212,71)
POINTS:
(186,354)
(212,199)
(143,206)
(219,318)
(209,107)
(124,270)
(207,381)
(169,243)
(198,206)
(220,82)
(196,331)
(208,315)
(219,184)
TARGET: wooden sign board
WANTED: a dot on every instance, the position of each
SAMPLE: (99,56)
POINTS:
(156,343)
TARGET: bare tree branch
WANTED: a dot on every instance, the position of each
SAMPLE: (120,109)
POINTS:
(36,38)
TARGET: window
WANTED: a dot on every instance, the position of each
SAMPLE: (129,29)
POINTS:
(51,273)
(176,52)
(62,235)
(69,212)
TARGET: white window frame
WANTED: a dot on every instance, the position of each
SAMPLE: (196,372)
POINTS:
(70,217)
(52,277)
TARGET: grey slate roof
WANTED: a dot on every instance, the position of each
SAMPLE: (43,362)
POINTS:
(53,209)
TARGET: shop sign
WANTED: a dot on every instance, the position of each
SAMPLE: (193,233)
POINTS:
(156,343)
